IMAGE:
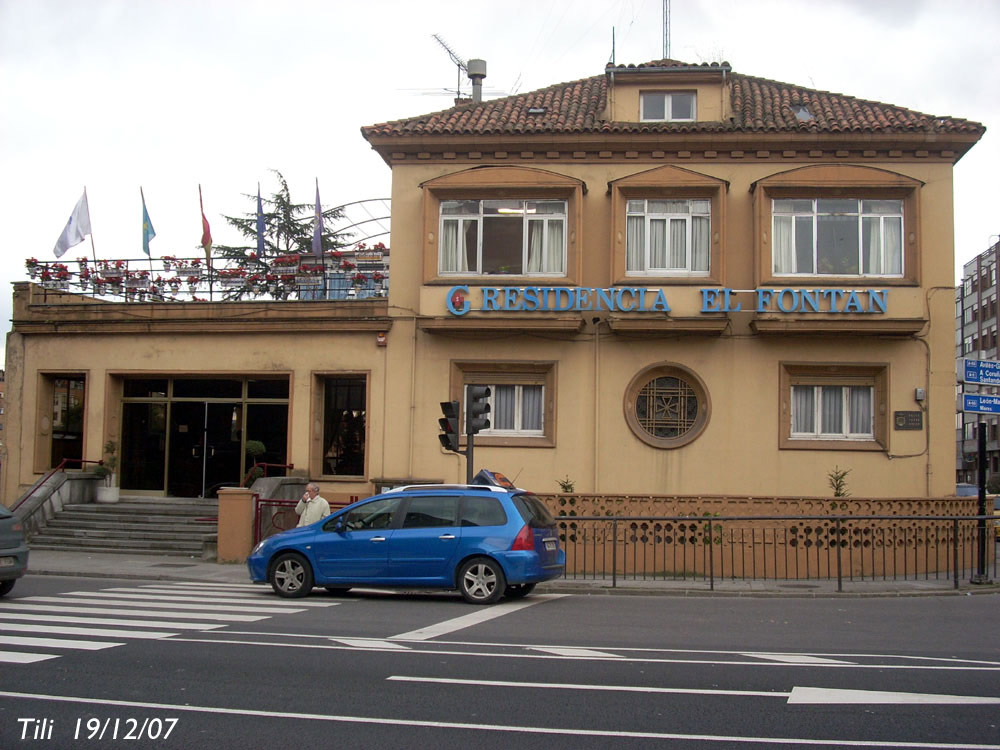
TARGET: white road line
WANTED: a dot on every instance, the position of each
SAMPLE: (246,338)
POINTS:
(211,585)
(104,703)
(108,621)
(105,632)
(153,605)
(23,657)
(582,653)
(371,643)
(78,645)
(173,595)
(598,688)
(255,601)
(795,658)
(798,695)
(474,618)
(828,696)
(16,604)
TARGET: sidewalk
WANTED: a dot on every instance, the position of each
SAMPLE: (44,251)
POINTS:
(172,568)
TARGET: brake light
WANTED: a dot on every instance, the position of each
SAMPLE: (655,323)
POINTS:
(524,541)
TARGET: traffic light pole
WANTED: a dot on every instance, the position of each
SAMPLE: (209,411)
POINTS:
(468,457)
(980,575)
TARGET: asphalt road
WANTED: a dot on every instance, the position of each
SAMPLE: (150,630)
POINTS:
(183,665)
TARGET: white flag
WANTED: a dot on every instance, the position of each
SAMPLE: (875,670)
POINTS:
(77,228)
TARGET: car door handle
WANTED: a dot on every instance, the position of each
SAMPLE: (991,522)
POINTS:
(377,539)
(447,536)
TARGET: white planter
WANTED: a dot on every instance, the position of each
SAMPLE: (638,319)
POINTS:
(107,494)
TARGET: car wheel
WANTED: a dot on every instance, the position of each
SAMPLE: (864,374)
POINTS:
(518,590)
(291,576)
(338,590)
(481,581)
(5,587)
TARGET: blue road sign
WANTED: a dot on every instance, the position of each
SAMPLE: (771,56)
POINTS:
(983,371)
(980,404)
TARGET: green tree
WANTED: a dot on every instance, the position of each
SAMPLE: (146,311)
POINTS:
(288,231)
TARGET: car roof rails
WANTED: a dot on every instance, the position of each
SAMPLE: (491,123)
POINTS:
(491,488)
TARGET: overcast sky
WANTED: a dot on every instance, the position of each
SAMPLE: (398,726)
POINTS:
(167,94)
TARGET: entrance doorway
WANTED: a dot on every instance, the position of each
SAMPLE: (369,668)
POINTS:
(205,447)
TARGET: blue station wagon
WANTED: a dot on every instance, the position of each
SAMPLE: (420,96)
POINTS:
(486,541)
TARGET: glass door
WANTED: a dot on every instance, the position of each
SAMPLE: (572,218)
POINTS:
(205,440)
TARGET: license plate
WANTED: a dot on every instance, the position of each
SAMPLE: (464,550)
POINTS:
(550,545)
(6,562)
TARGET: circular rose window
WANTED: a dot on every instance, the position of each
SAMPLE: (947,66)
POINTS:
(666,406)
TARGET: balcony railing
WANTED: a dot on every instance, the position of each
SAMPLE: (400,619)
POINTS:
(168,279)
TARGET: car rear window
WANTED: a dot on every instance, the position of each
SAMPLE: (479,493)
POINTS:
(482,511)
(533,511)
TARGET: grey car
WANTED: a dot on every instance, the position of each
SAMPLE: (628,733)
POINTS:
(13,551)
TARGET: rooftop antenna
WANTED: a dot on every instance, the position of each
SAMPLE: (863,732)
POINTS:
(462,65)
(666,29)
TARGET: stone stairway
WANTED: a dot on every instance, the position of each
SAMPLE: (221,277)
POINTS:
(177,526)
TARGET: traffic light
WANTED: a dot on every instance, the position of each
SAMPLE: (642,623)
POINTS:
(476,408)
(449,423)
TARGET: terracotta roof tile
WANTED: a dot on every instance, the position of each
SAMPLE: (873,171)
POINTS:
(758,105)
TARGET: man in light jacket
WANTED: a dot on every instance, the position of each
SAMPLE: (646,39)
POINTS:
(312,507)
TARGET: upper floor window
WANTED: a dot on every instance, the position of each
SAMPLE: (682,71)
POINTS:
(668,237)
(484,237)
(838,236)
(832,412)
(516,409)
(668,106)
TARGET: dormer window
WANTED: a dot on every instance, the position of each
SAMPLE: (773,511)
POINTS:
(667,106)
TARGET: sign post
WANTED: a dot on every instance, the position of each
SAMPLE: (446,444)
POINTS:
(981,372)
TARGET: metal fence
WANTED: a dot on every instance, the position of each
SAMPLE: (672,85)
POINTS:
(716,548)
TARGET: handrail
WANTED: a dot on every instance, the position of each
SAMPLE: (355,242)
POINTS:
(53,472)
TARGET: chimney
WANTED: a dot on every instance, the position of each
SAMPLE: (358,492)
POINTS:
(477,72)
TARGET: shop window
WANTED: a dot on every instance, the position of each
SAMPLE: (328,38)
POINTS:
(490,237)
(667,406)
(521,401)
(667,237)
(344,408)
(668,106)
(837,407)
(837,236)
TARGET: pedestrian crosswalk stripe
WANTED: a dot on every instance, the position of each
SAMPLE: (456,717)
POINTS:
(27,640)
(110,621)
(209,596)
(97,598)
(216,616)
(153,635)
(21,657)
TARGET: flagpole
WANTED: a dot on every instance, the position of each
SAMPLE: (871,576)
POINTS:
(93,250)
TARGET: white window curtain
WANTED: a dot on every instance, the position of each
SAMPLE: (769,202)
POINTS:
(555,257)
(504,407)
(832,417)
(860,410)
(531,408)
(873,247)
(893,242)
(535,246)
(678,243)
(635,244)
(803,409)
(657,243)
(700,240)
(454,256)
(784,247)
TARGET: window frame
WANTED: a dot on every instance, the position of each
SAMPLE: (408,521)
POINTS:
(648,218)
(495,183)
(815,216)
(317,463)
(518,431)
(481,220)
(492,373)
(818,374)
(668,105)
(667,183)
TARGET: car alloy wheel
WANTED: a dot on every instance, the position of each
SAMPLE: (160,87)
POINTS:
(481,581)
(291,576)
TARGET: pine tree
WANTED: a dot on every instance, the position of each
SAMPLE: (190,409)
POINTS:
(288,232)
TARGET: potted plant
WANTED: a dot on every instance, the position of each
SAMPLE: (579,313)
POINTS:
(107,491)
(254,448)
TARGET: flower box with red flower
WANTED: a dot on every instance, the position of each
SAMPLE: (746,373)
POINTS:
(359,279)
(286,263)
(188,267)
(231,277)
(138,280)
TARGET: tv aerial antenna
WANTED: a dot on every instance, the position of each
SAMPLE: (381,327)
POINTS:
(462,65)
